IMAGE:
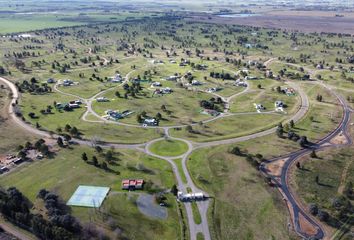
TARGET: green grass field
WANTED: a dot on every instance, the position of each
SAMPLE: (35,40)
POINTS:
(243,206)
(13,134)
(169,148)
(66,171)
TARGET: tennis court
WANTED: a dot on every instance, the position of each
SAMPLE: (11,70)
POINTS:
(88,196)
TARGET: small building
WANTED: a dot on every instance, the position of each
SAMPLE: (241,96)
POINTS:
(156,84)
(73,105)
(196,83)
(251,78)
(211,112)
(190,196)
(50,80)
(269,74)
(259,107)
(116,115)
(102,99)
(172,78)
(116,79)
(279,104)
(68,82)
(290,91)
(213,89)
(132,184)
(150,122)
(240,83)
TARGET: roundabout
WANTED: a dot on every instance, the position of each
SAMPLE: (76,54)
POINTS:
(168,148)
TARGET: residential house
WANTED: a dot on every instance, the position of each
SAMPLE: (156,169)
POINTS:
(132,184)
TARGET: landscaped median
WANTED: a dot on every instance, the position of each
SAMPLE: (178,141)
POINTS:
(169,148)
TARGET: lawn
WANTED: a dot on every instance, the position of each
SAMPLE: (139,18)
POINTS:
(230,127)
(11,135)
(66,171)
(182,106)
(243,206)
(330,166)
(169,148)
(103,131)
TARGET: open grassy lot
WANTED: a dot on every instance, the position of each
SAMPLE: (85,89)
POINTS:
(334,168)
(265,96)
(67,170)
(58,119)
(10,134)
(230,127)
(182,106)
(169,147)
(243,206)
(323,116)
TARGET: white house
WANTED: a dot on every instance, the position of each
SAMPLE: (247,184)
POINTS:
(150,122)
(279,104)
(117,78)
(102,99)
(190,196)
(172,78)
(156,84)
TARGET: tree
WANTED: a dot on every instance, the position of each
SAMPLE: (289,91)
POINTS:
(292,124)
(67,127)
(109,156)
(104,166)
(303,141)
(60,142)
(236,151)
(259,86)
(317,179)
(174,190)
(189,129)
(323,215)
(313,154)
(313,208)
(139,119)
(94,160)
(319,98)
(32,115)
(298,165)
(117,94)
(280,131)
(98,149)
(84,156)
(158,116)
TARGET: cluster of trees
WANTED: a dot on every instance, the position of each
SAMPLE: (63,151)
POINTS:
(254,160)
(33,87)
(39,145)
(23,54)
(108,157)
(212,104)
(72,130)
(132,89)
(224,76)
(291,135)
(17,209)
(338,211)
